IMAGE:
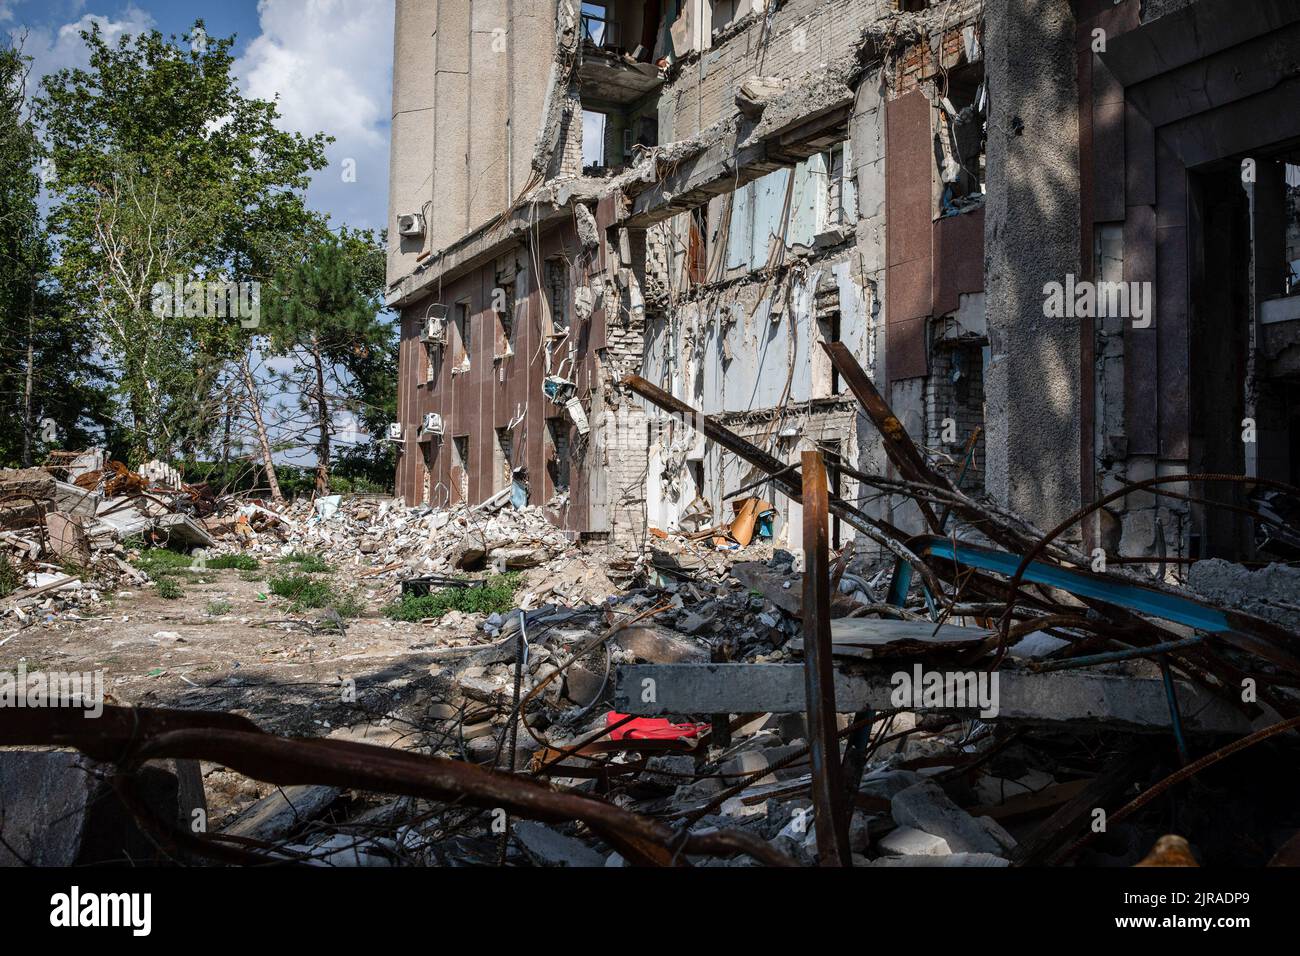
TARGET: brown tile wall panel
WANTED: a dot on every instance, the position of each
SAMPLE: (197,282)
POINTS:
(909,233)
(910,291)
(403,482)
(905,342)
(958,259)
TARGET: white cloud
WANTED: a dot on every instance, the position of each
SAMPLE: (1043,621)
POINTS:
(6,11)
(53,49)
(329,62)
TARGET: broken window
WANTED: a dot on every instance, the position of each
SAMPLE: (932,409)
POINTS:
(594,124)
(697,264)
(460,466)
(959,137)
(461,344)
(504,458)
(557,432)
(557,294)
(1291,212)
(841,207)
(597,27)
(503,307)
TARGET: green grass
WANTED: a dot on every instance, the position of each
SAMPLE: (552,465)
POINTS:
(496,596)
(163,562)
(239,562)
(306,592)
(349,604)
(218,608)
(306,563)
(169,589)
(10,579)
(160,562)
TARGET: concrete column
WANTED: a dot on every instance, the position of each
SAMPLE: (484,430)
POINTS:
(488,165)
(1031,237)
(410,187)
(449,218)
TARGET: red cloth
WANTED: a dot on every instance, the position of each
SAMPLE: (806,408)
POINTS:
(650,728)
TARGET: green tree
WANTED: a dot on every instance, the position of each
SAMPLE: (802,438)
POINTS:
(50,393)
(326,314)
(166,173)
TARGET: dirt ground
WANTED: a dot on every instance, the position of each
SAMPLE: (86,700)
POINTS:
(284,669)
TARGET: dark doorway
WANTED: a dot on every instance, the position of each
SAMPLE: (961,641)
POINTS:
(1220,335)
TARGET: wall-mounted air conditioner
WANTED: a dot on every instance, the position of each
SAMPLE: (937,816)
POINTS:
(395,431)
(411,224)
(432,425)
(434,329)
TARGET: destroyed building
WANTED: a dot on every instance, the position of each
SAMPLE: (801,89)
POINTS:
(831,433)
(702,193)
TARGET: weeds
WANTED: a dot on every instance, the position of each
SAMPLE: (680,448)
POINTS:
(306,563)
(238,562)
(169,589)
(160,562)
(306,591)
(219,607)
(497,595)
(10,579)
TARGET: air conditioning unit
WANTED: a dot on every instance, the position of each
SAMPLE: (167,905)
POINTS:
(434,329)
(411,224)
(395,431)
(432,425)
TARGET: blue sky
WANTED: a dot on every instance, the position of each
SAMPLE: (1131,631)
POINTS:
(328,61)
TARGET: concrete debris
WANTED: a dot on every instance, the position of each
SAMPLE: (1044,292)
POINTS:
(548,847)
(387,541)
(93,522)
(60,809)
(908,841)
(927,808)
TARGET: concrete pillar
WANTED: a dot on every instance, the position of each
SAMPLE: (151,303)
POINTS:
(410,186)
(489,112)
(449,218)
(1031,237)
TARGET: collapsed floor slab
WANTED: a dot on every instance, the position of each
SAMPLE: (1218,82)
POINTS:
(1095,700)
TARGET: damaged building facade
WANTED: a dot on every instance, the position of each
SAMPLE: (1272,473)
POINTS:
(1066,265)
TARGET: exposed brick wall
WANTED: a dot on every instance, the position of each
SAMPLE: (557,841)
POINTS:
(806,34)
(961,400)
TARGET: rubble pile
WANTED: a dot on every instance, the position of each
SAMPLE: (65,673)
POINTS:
(966,698)
(65,528)
(387,541)
(969,696)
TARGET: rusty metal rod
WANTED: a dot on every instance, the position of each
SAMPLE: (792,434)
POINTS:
(819,676)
